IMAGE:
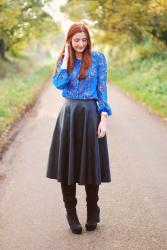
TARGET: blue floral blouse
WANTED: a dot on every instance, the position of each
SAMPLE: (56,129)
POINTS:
(94,86)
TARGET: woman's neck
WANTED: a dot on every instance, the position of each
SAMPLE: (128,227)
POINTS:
(78,55)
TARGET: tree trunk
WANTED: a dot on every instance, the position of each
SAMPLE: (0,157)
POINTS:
(2,49)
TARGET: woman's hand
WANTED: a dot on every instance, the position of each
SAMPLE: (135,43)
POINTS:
(102,128)
(66,50)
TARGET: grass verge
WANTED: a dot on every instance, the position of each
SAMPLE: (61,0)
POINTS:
(144,77)
(19,90)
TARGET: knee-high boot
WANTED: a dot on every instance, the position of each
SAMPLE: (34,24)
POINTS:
(93,210)
(70,201)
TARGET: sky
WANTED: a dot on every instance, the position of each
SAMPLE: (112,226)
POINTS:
(53,9)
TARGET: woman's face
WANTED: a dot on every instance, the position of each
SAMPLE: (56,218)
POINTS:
(79,42)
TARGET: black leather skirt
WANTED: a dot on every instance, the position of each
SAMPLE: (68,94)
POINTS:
(76,154)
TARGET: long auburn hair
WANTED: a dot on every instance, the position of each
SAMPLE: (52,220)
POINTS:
(86,57)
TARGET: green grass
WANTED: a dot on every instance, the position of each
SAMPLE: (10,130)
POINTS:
(144,77)
(19,89)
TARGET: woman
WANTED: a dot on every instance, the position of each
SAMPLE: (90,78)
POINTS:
(79,152)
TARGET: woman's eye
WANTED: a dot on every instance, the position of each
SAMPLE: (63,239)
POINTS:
(77,40)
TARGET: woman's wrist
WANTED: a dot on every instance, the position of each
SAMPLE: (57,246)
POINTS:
(65,58)
(104,116)
(64,64)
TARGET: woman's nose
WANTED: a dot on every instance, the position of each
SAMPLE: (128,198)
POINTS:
(80,44)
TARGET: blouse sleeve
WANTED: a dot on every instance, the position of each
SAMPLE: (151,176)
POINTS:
(102,85)
(61,78)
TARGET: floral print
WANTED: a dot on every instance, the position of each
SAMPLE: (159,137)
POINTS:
(94,86)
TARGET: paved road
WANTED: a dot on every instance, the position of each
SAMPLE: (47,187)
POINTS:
(133,205)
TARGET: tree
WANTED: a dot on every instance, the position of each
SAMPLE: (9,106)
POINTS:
(113,20)
(20,22)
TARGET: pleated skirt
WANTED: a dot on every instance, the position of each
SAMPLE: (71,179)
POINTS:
(76,153)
